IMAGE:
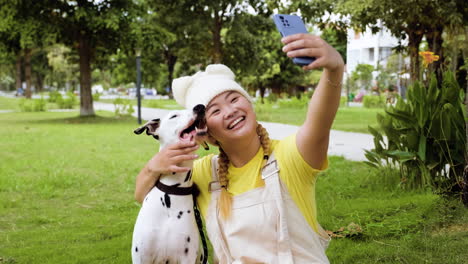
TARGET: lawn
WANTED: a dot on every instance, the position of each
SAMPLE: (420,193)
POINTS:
(151,103)
(353,119)
(66,196)
(7,103)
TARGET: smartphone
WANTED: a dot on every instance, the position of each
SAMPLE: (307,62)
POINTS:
(290,25)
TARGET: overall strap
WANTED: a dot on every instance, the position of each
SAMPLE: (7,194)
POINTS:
(214,187)
(270,174)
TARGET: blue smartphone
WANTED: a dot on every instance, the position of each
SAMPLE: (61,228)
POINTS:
(290,25)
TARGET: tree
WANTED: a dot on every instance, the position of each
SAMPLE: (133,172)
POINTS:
(425,18)
(24,31)
(363,73)
(64,71)
(251,50)
(95,29)
(181,35)
(337,38)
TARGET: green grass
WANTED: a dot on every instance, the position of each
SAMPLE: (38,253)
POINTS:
(66,196)
(398,226)
(151,103)
(353,119)
(356,119)
(7,103)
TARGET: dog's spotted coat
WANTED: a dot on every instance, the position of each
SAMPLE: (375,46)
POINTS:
(165,230)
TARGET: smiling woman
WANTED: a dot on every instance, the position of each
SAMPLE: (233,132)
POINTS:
(258,191)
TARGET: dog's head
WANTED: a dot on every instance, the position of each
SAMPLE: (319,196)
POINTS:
(185,125)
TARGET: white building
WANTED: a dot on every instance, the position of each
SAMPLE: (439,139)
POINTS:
(368,48)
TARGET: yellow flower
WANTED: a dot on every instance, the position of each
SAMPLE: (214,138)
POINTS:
(428,57)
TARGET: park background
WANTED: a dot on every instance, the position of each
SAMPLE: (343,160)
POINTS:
(67,171)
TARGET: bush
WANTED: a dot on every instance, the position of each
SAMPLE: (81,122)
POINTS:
(123,107)
(54,96)
(67,103)
(294,102)
(272,97)
(32,105)
(343,101)
(96,97)
(426,136)
(154,104)
(374,101)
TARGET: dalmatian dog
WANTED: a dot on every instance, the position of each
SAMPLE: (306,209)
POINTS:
(166,228)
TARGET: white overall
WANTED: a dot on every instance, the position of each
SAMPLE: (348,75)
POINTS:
(265,225)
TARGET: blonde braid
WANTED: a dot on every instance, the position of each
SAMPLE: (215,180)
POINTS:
(225,199)
(265,141)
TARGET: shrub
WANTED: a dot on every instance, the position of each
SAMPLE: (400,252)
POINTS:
(272,97)
(294,102)
(154,104)
(67,103)
(426,136)
(123,107)
(54,96)
(343,101)
(32,105)
(96,97)
(374,101)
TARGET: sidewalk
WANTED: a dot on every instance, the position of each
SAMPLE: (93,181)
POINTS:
(350,145)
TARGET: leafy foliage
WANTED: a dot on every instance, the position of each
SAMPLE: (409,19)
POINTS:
(32,105)
(67,103)
(425,136)
(123,107)
(373,101)
(363,74)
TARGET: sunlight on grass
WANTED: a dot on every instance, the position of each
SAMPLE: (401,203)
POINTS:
(7,103)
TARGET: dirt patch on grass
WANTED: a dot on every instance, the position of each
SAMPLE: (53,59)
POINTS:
(455,228)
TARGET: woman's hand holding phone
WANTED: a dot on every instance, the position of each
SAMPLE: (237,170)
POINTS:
(307,45)
(308,51)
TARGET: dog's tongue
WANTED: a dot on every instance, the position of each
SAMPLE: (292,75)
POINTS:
(188,136)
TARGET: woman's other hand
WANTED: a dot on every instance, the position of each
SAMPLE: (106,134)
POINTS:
(167,160)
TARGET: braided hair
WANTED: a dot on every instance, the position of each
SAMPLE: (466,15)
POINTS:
(225,199)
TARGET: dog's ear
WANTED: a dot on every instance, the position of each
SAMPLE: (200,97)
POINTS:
(151,127)
(210,139)
(205,145)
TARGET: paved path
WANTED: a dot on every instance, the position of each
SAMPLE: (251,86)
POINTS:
(347,144)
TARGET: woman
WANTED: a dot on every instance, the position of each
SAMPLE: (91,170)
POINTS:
(253,213)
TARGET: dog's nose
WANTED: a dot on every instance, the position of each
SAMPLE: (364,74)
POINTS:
(199,109)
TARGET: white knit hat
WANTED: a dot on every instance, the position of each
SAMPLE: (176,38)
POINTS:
(201,87)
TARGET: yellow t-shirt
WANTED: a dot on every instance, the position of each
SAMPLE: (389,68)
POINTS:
(295,173)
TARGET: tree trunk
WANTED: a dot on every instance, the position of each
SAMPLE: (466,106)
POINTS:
(86,98)
(171,61)
(414,39)
(262,89)
(39,82)
(27,72)
(217,45)
(18,72)
(465,56)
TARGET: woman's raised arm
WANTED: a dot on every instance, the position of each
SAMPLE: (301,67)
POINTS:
(313,136)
